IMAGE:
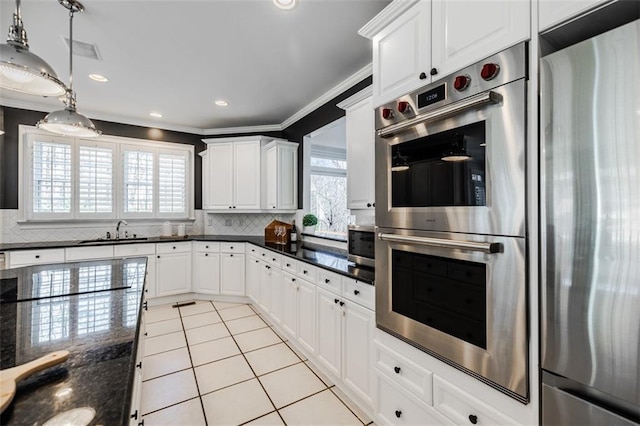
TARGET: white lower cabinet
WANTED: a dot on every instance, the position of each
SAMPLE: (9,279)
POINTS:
(265,288)
(173,268)
(274,277)
(206,272)
(140,250)
(35,257)
(395,406)
(329,352)
(252,282)
(290,289)
(358,324)
(232,278)
(73,254)
(306,331)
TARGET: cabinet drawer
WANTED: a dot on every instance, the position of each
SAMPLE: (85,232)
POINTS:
(289,265)
(308,272)
(206,246)
(407,374)
(232,247)
(359,292)
(395,406)
(87,253)
(329,280)
(462,408)
(33,257)
(178,247)
(128,250)
(253,250)
(273,258)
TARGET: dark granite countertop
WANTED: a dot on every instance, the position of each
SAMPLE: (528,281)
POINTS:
(90,309)
(325,257)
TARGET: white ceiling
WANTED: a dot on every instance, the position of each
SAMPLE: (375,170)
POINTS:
(177,57)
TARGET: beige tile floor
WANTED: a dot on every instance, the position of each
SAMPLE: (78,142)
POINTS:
(216,363)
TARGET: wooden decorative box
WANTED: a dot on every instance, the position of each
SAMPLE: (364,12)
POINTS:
(270,234)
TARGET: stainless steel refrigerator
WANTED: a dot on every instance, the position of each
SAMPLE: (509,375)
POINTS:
(590,115)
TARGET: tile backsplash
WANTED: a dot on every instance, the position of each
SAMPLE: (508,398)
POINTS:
(241,224)
(13,232)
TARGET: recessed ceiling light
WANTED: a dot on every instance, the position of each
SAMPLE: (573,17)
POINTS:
(98,78)
(221,102)
(285,4)
(155,114)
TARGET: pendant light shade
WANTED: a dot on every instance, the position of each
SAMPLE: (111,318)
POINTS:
(68,121)
(23,71)
(457,151)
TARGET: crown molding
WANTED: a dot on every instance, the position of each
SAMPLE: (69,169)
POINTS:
(385,17)
(360,75)
(354,99)
(47,108)
(243,129)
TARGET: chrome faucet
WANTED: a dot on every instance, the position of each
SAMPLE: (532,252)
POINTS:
(120,222)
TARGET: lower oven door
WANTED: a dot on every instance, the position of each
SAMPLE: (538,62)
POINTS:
(459,297)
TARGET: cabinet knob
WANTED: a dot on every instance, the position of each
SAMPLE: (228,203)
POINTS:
(206,254)
(234,207)
(268,267)
(37,256)
(293,279)
(327,280)
(231,247)
(304,272)
(368,204)
(373,204)
(423,76)
(473,419)
(158,257)
(273,259)
(398,413)
(397,370)
(274,207)
(356,292)
(335,300)
(206,246)
(174,247)
(229,206)
(230,255)
(288,264)
(341,303)
(433,71)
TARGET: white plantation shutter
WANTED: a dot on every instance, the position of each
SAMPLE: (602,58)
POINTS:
(172,183)
(137,194)
(51,178)
(95,180)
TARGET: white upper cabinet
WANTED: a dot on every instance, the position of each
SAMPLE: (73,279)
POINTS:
(360,136)
(280,178)
(239,174)
(554,12)
(402,54)
(415,43)
(465,31)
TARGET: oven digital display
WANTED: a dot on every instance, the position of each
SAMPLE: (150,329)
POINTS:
(431,96)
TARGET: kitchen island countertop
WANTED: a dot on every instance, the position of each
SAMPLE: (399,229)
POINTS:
(90,309)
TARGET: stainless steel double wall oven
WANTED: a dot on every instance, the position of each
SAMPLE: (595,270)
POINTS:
(450,212)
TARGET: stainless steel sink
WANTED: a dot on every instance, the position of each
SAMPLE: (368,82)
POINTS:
(105,241)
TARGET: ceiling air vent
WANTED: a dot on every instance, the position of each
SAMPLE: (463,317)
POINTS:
(80,48)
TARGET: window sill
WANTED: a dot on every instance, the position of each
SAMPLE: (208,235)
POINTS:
(89,223)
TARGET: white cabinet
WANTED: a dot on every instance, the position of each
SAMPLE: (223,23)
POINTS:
(73,254)
(280,178)
(402,54)
(232,269)
(360,136)
(35,257)
(173,268)
(434,38)
(233,173)
(329,350)
(274,277)
(358,324)
(266,293)
(138,250)
(206,267)
(554,12)
(252,282)
(465,31)
(290,304)
(306,317)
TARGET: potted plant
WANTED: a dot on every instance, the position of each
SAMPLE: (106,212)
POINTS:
(309,222)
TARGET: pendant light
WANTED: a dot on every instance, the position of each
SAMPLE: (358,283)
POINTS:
(23,71)
(399,162)
(457,152)
(68,121)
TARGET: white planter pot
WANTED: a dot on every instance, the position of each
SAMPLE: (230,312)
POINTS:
(309,229)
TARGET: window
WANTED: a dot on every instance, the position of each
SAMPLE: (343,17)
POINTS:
(328,189)
(71,179)
(51,177)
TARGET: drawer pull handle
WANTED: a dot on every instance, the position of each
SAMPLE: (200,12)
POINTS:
(304,272)
(398,413)
(341,303)
(335,300)
(473,419)
(139,365)
(288,264)
(135,415)
(273,259)
(327,281)
(37,256)
(397,370)
(293,279)
(356,292)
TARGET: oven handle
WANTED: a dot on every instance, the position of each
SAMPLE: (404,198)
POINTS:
(472,101)
(442,243)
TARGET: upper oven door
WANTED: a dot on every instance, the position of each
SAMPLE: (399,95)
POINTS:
(460,298)
(464,166)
